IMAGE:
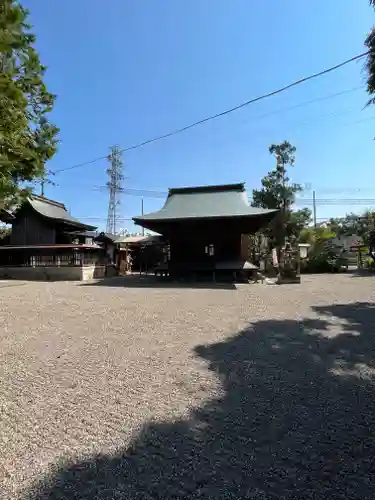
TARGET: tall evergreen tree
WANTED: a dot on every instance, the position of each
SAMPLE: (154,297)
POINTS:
(278,192)
(27,139)
(370,62)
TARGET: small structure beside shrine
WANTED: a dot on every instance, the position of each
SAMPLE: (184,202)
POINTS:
(47,243)
(140,253)
(206,228)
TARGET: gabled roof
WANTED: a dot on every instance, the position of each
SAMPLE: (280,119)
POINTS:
(54,210)
(139,239)
(84,233)
(105,237)
(205,202)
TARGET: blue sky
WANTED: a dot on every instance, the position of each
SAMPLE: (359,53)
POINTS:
(125,71)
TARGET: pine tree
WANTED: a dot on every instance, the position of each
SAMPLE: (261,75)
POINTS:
(278,192)
(370,62)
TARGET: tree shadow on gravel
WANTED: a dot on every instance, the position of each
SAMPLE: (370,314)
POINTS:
(296,421)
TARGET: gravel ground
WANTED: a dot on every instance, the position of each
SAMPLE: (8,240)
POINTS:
(124,392)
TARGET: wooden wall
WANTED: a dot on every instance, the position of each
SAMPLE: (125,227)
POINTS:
(31,229)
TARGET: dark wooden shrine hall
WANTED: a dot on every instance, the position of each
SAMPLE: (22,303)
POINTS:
(46,242)
(206,228)
(40,221)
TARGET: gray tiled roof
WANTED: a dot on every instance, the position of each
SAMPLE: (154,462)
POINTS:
(55,210)
(205,202)
(147,239)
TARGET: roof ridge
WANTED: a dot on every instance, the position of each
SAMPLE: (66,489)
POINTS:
(49,201)
(56,211)
(215,188)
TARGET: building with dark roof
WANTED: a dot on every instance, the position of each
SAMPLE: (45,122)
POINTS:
(205,227)
(40,221)
(46,242)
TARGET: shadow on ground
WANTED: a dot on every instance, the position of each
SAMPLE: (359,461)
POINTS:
(137,281)
(362,273)
(296,421)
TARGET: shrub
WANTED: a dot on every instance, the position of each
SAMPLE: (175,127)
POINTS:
(370,264)
(324,258)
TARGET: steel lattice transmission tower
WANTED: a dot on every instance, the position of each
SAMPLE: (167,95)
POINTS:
(114,186)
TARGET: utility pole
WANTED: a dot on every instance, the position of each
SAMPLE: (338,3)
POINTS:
(314,208)
(114,186)
(284,202)
(45,180)
(142,212)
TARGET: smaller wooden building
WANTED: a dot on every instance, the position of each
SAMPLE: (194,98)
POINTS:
(46,242)
(107,241)
(40,221)
(139,253)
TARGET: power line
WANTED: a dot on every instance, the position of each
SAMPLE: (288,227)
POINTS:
(97,218)
(337,190)
(319,201)
(306,103)
(123,219)
(226,112)
(335,202)
(80,165)
(156,193)
(136,192)
(298,201)
(303,122)
(306,188)
(251,101)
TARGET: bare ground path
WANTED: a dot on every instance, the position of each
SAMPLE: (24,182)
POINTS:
(137,392)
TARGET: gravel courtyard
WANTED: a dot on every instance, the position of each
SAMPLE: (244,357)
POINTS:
(134,392)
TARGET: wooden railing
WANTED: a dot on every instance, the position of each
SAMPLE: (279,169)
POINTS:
(50,258)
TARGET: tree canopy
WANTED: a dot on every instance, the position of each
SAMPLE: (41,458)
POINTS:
(27,139)
(370,61)
(277,192)
(352,224)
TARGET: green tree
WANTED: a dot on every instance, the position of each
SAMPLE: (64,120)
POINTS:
(361,225)
(316,235)
(277,192)
(370,61)
(27,139)
(296,222)
(353,224)
(346,226)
